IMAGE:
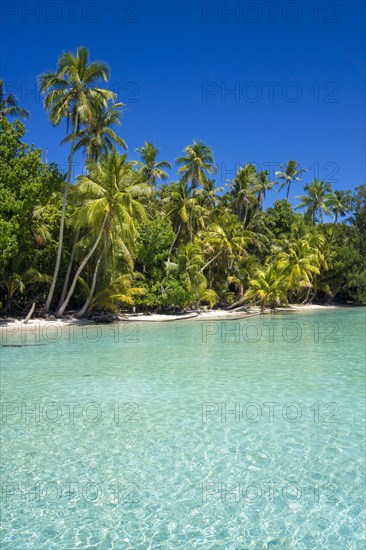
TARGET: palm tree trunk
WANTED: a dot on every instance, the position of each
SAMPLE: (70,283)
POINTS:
(190,224)
(85,307)
(212,260)
(8,302)
(71,261)
(62,221)
(69,267)
(173,243)
(245,215)
(307,296)
(61,310)
(30,313)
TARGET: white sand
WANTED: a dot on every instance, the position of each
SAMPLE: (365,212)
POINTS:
(194,316)
(212,315)
(17,327)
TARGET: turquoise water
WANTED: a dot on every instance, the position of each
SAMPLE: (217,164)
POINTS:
(238,435)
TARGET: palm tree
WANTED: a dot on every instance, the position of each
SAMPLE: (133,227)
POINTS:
(301,262)
(262,185)
(9,105)
(340,205)
(190,261)
(268,287)
(196,164)
(97,137)
(110,195)
(181,207)
(208,197)
(72,92)
(120,289)
(152,169)
(20,278)
(319,200)
(226,242)
(289,173)
(243,192)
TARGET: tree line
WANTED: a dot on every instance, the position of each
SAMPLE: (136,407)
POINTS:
(114,239)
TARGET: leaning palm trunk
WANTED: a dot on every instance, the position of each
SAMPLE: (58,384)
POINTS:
(191,224)
(72,256)
(245,216)
(307,296)
(62,221)
(30,313)
(173,243)
(69,267)
(85,307)
(212,260)
(61,310)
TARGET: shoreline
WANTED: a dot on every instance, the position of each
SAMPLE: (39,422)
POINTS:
(211,315)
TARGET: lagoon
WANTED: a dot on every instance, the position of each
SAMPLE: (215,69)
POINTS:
(240,434)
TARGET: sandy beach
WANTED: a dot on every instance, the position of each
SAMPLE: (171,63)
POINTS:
(13,325)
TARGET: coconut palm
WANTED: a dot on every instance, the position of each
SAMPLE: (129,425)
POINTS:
(301,263)
(262,185)
(196,164)
(181,207)
(204,294)
(22,275)
(111,197)
(188,260)
(267,287)
(9,105)
(289,173)
(152,169)
(243,191)
(72,93)
(228,243)
(319,200)
(121,289)
(97,137)
(340,204)
(208,197)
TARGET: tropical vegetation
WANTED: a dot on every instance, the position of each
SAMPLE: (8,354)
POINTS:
(122,235)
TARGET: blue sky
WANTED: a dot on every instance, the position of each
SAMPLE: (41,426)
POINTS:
(260,82)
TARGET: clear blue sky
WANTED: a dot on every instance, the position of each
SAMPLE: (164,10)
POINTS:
(296,69)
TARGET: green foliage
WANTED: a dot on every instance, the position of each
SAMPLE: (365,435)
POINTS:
(29,209)
(187,244)
(154,241)
(169,292)
(280,218)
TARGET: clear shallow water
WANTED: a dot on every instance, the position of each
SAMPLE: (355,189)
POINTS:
(238,435)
